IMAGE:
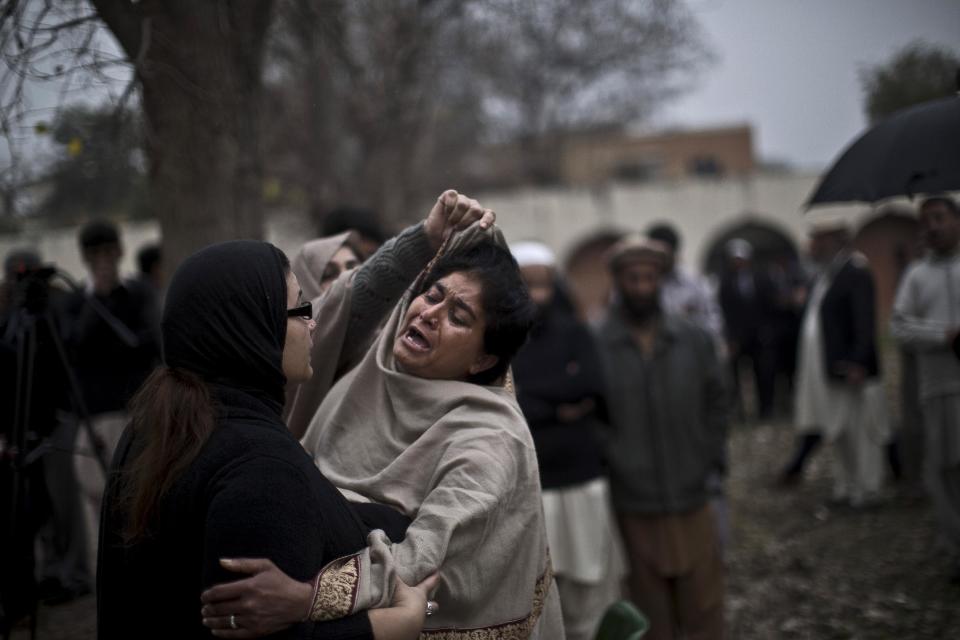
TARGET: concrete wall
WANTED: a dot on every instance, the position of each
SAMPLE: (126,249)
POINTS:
(287,231)
(703,209)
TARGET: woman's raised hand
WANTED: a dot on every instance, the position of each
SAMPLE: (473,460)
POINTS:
(454,212)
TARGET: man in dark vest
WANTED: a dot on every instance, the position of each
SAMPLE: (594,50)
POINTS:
(839,395)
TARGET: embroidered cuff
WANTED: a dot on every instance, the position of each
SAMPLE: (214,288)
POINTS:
(336,591)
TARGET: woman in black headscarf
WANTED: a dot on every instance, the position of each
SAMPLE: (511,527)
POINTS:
(207,468)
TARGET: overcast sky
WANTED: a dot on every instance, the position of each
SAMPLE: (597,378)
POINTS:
(789,67)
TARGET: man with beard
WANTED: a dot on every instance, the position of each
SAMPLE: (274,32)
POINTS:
(926,320)
(668,414)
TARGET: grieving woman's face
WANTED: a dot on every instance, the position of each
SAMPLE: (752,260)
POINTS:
(297,344)
(442,333)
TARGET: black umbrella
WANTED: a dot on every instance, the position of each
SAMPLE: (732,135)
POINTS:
(916,150)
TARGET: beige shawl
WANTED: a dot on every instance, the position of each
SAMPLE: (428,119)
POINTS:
(459,460)
(312,259)
(332,313)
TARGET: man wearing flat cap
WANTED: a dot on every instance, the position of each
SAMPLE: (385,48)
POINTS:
(668,414)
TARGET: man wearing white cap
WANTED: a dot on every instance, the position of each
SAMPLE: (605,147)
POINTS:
(560,387)
(839,393)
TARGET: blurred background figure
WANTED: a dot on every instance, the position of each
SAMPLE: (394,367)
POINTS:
(48,501)
(926,320)
(748,300)
(560,387)
(150,266)
(682,293)
(365,225)
(111,333)
(839,395)
(789,281)
(668,415)
(321,261)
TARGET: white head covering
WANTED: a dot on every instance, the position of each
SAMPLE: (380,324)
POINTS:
(739,248)
(528,254)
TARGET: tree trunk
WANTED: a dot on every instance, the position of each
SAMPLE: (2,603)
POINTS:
(199,65)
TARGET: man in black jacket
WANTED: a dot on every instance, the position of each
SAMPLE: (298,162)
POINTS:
(112,333)
(747,298)
(839,394)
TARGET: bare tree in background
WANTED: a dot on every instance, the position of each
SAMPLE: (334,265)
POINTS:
(557,66)
(43,43)
(197,66)
(377,98)
(390,101)
(367,102)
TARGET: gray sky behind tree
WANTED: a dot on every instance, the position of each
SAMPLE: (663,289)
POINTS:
(790,67)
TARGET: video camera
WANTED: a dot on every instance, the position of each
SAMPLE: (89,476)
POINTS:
(31,288)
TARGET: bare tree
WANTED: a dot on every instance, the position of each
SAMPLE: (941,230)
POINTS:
(394,99)
(556,66)
(57,44)
(376,93)
(197,66)
(369,103)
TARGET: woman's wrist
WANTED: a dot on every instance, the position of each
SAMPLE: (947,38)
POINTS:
(395,623)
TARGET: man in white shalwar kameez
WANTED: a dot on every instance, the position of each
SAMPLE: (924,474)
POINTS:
(839,392)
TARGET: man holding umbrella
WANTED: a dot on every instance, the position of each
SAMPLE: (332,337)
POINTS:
(926,319)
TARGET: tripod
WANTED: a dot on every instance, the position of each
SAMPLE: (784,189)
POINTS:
(32,329)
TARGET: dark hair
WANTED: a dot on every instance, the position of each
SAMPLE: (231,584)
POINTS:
(665,233)
(507,306)
(148,257)
(363,221)
(98,233)
(172,417)
(945,200)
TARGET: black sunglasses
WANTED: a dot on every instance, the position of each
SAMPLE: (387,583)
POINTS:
(304,311)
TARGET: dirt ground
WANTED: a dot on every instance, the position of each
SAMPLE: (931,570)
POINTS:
(797,568)
(800,569)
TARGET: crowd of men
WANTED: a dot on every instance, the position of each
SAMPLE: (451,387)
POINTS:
(629,417)
(673,351)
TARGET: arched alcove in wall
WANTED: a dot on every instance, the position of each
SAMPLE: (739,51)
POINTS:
(771,244)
